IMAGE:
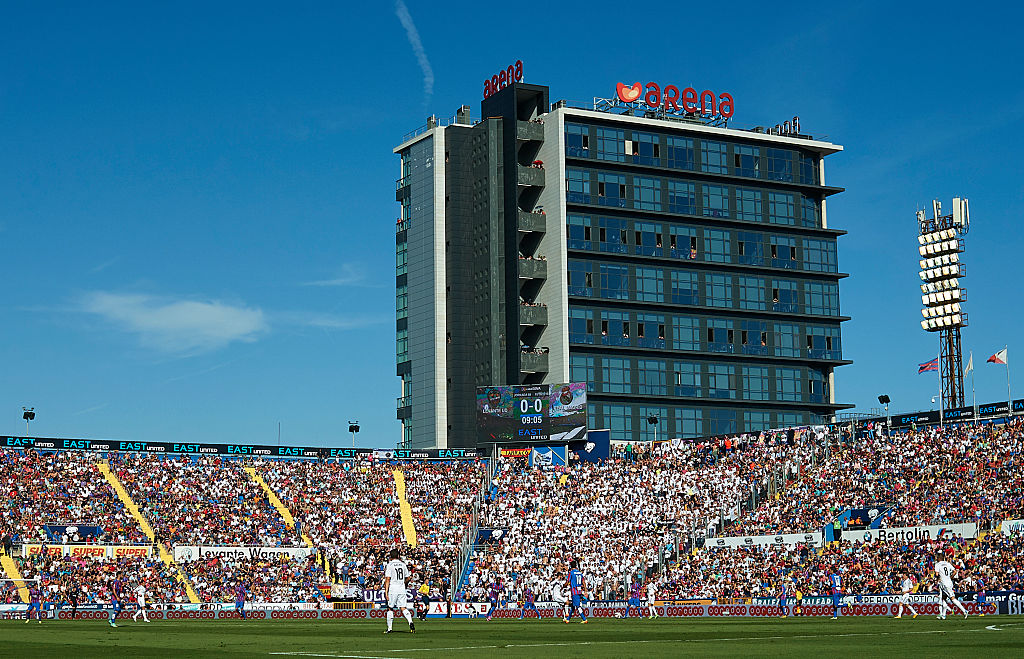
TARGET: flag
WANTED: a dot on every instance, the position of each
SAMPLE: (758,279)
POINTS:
(970,365)
(930,365)
(998,358)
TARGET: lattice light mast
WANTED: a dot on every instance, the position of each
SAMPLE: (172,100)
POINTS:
(941,246)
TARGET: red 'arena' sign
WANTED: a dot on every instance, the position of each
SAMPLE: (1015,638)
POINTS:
(671,100)
(514,73)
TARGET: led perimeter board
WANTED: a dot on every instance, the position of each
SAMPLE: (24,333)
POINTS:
(531,413)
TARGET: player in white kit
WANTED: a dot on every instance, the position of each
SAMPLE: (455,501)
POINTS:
(906,586)
(946,572)
(558,598)
(140,598)
(395,575)
(652,593)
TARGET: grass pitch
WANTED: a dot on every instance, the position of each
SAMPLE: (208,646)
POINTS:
(991,636)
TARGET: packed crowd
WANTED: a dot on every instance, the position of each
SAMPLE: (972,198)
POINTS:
(64,488)
(89,580)
(203,500)
(271,579)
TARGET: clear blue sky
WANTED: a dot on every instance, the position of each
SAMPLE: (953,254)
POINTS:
(197,216)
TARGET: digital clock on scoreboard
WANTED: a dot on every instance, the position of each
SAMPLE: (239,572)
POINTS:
(531,413)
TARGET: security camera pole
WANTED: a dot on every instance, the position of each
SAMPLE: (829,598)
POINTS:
(28,413)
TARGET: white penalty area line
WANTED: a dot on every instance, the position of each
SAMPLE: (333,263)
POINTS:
(673,640)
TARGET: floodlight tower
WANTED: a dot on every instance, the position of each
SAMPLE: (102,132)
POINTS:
(941,244)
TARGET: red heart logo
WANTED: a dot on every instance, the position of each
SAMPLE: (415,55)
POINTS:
(628,94)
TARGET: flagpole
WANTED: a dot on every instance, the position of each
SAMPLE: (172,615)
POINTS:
(942,408)
(1009,398)
(974,396)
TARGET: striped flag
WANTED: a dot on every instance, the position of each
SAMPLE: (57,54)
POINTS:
(931,365)
(998,358)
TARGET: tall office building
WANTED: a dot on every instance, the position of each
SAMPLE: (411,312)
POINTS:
(683,269)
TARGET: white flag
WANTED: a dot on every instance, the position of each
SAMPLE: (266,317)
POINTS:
(970,365)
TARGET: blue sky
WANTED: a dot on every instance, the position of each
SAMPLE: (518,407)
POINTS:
(197,218)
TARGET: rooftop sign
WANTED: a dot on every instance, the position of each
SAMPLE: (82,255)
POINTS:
(514,73)
(670,100)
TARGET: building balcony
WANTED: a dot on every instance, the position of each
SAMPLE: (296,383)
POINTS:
(531,176)
(533,269)
(401,225)
(534,361)
(533,314)
(529,131)
(403,405)
(532,221)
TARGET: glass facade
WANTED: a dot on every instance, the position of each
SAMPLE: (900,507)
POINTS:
(703,289)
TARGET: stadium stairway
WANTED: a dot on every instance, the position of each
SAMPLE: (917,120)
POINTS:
(408,527)
(166,556)
(11,569)
(275,501)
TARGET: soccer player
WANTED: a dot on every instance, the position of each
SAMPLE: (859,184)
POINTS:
(634,597)
(529,603)
(577,585)
(982,599)
(798,594)
(34,604)
(115,601)
(946,572)
(836,583)
(906,586)
(783,611)
(72,598)
(140,599)
(493,593)
(394,588)
(240,595)
(558,598)
(652,594)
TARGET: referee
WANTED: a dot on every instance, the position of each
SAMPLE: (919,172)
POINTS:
(424,592)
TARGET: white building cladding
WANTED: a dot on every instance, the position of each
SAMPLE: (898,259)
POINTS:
(686,271)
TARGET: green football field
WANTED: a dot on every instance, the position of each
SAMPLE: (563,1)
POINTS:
(992,636)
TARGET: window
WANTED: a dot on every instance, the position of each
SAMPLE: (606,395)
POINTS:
(754,337)
(581,281)
(402,346)
(721,336)
(682,197)
(402,301)
(657,430)
(779,165)
(787,340)
(581,369)
(615,328)
(817,386)
(714,157)
(824,343)
(647,239)
(615,375)
(577,140)
(684,287)
(755,382)
(680,152)
(717,246)
(820,255)
(581,326)
(721,422)
(754,421)
(822,298)
(682,242)
(781,208)
(687,379)
(810,213)
(401,258)
(716,201)
(808,169)
(783,252)
(619,419)
(651,377)
(614,281)
(612,235)
(750,248)
(580,232)
(719,290)
(748,205)
(721,380)
(689,422)
(752,293)
(611,190)
(650,285)
(785,297)
(611,144)
(647,193)
(577,186)
(650,330)
(747,161)
(791,419)
(685,333)
(646,149)
(788,384)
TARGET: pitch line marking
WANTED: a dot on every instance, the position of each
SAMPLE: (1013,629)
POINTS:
(342,656)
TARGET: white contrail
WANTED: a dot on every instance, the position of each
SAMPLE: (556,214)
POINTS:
(417,47)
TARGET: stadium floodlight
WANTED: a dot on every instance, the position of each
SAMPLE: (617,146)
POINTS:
(28,414)
(652,420)
(885,400)
(353,427)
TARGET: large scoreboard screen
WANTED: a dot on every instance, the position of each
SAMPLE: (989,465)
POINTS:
(531,413)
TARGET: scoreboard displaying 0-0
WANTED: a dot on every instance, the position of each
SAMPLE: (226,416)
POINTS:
(531,413)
